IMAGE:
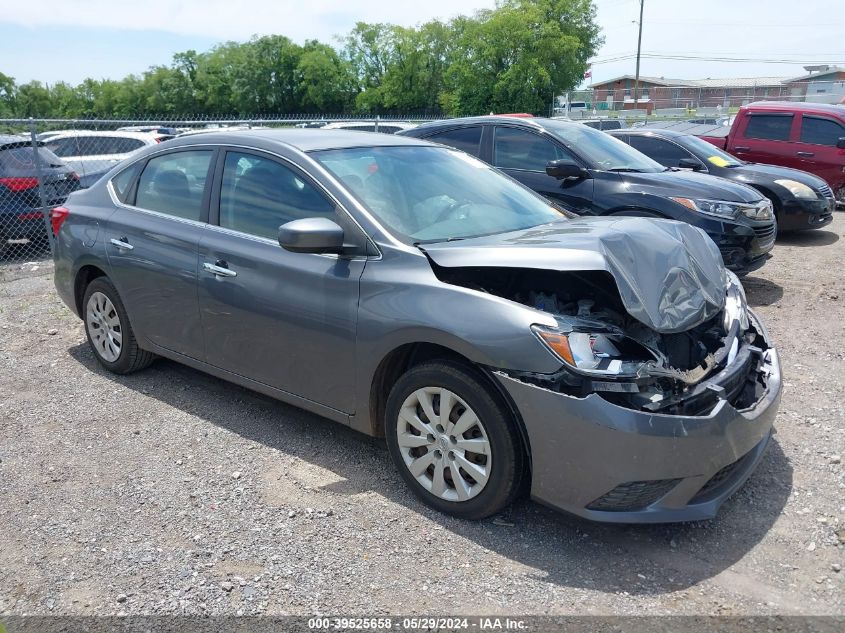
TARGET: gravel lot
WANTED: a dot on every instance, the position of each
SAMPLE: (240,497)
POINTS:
(173,492)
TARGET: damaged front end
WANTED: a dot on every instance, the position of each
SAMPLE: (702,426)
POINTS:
(606,351)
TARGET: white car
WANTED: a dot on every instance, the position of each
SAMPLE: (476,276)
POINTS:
(385,127)
(91,154)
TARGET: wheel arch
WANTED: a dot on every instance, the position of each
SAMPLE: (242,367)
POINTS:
(84,276)
(402,358)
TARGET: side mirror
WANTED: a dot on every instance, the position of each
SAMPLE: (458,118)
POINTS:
(841,142)
(562,169)
(690,163)
(311,235)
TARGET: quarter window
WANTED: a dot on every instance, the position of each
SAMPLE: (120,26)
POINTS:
(819,131)
(466,139)
(769,127)
(664,152)
(123,181)
(174,184)
(518,149)
(125,145)
(258,195)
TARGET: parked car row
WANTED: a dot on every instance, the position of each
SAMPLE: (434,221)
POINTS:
(800,199)
(805,136)
(424,295)
(592,173)
(21,213)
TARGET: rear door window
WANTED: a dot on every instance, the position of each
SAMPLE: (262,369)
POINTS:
(520,149)
(821,131)
(174,184)
(466,139)
(258,195)
(64,147)
(769,127)
(20,158)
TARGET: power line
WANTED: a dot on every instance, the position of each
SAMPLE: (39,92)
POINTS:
(743,60)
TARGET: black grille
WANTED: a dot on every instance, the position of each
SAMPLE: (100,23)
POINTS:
(765,234)
(826,191)
(721,478)
(633,495)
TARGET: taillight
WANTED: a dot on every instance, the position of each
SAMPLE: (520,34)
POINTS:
(19,183)
(57,218)
(158,140)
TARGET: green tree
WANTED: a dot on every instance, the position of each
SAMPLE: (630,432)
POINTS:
(518,56)
(325,80)
(7,96)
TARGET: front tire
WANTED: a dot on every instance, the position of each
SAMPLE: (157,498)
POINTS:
(108,330)
(453,440)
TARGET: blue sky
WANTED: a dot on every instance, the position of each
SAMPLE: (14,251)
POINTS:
(52,40)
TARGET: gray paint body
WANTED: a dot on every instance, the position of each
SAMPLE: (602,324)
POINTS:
(312,330)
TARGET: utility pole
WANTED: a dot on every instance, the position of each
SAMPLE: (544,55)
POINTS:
(639,48)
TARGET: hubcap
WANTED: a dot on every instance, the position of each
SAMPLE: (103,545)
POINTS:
(444,444)
(104,327)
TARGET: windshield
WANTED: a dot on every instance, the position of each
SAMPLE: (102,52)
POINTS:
(710,153)
(434,194)
(601,150)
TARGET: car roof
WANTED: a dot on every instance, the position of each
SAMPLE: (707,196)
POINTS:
(339,125)
(796,106)
(303,139)
(535,123)
(144,136)
(8,139)
(645,131)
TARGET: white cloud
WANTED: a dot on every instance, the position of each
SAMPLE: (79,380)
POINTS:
(230,19)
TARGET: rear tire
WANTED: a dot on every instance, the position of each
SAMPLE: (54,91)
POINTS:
(467,461)
(108,329)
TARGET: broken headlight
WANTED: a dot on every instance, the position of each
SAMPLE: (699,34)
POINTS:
(590,352)
(736,304)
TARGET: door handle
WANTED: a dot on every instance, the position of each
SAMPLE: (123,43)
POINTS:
(217,270)
(740,148)
(805,154)
(122,244)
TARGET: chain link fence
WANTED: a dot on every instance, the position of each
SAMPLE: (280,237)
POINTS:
(619,99)
(42,161)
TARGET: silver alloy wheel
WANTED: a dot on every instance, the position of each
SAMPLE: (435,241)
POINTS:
(444,444)
(103,325)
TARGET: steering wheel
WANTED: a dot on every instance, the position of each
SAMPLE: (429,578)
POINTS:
(451,209)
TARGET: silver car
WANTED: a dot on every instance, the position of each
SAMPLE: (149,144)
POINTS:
(415,293)
(92,153)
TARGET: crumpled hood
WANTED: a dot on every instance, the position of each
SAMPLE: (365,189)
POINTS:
(669,274)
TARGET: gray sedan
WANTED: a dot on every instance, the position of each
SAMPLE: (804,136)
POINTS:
(413,292)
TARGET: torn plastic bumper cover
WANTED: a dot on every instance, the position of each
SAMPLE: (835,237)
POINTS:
(610,463)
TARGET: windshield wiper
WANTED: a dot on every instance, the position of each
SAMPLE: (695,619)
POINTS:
(625,169)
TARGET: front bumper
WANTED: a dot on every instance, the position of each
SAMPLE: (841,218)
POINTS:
(802,215)
(639,467)
(746,246)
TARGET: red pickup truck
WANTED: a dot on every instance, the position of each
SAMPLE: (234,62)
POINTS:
(807,136)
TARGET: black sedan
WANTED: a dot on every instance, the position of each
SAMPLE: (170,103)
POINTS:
(591,173)
(801,201)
